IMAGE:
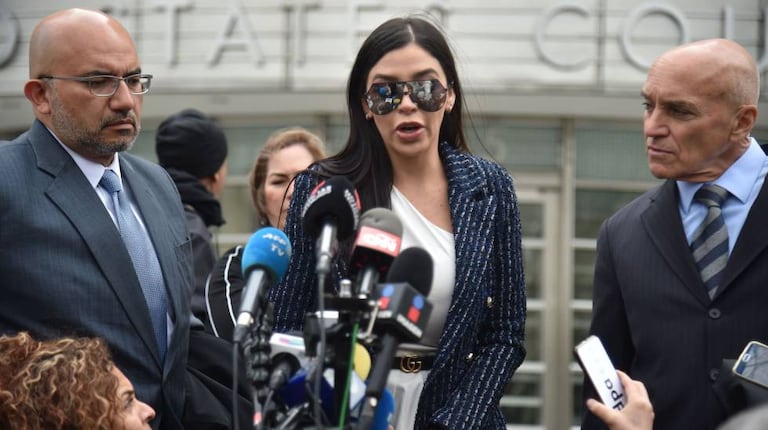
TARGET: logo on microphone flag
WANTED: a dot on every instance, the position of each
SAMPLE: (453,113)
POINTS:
(386,295)
(415,310)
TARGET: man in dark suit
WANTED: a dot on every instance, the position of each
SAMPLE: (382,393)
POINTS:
(64,267)
(668,306)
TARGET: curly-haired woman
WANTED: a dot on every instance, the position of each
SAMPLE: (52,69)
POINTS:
(68,383)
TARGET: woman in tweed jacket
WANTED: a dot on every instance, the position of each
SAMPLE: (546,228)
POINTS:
(406,142)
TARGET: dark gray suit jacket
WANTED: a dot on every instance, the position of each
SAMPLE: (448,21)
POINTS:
(65,271)
(653,314)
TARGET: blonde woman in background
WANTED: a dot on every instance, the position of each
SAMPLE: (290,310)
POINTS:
(286,153)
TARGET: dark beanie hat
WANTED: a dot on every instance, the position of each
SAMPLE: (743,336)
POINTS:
(192,142)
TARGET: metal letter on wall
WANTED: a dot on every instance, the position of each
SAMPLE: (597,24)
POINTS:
(9,40)
(353,27)
(728,22)
(440,10)
(763,62)
(638,14)
(172,8)
(248,42)
(297,11)
(541,28)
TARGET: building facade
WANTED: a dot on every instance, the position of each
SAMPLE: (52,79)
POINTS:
(553,94)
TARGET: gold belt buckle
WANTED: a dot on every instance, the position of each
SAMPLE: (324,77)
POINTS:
(410,363)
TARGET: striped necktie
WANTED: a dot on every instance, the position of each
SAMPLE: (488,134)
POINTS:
(710,241)
(143,256)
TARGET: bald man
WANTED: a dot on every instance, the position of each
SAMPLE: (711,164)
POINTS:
(668,318)
(64,267)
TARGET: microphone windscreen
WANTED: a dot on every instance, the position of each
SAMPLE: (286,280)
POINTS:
(385,409)
(332,199)
(297,391)
(378,240)
(269,249)
(361,361)
(382,219)
(294,392)
(413,266)
(383,415)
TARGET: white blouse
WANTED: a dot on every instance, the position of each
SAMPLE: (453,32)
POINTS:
(419,231)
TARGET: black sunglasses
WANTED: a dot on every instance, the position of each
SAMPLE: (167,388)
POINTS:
(384,97)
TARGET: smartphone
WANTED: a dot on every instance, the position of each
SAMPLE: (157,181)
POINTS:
(596,364)
(752,364)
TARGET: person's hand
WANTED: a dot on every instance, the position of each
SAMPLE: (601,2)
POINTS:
(636,415)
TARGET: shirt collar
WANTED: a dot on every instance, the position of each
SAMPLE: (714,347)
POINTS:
(93,171)
(738,179)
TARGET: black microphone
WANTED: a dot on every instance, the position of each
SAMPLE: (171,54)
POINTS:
(376,245)
(287,356)
(330,214)
(402,317)
(403,307)
(413,266)
(265,260)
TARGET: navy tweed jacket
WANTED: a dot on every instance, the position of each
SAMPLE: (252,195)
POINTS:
(482,342)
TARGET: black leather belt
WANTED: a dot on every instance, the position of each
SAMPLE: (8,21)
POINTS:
(413,363)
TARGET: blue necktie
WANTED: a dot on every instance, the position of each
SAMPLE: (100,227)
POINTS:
(143,256)
(710,241)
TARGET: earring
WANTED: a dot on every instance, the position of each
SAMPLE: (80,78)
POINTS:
(368,116)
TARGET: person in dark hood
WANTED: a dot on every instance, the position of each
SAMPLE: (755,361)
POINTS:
(193,149)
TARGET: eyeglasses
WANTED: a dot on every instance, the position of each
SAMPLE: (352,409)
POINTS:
(107,85)
(385,97)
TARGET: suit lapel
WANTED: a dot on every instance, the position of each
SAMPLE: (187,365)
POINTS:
(80,204)
(751,242)
(473,213)
(661,221)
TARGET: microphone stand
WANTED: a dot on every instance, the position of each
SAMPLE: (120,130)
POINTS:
(343,335)
(339,339)
(256,351)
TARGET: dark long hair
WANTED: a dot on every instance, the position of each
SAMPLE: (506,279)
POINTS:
(364,159)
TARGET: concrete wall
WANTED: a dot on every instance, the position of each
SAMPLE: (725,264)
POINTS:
(582,58)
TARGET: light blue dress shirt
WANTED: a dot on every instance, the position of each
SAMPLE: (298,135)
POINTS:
(743,180)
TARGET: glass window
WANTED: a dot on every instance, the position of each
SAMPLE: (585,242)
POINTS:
(595,206)
(239,211)
(519,145)
(581,322)
(521,403)
(577,382)
(532,219)
(533,276)
(761,135)
(533,333)
(338,132)
(246,142)
(611,154)
(144,146)
(532,224)
(522,399)
(583,273)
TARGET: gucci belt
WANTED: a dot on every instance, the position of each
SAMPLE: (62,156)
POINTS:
(411,363)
